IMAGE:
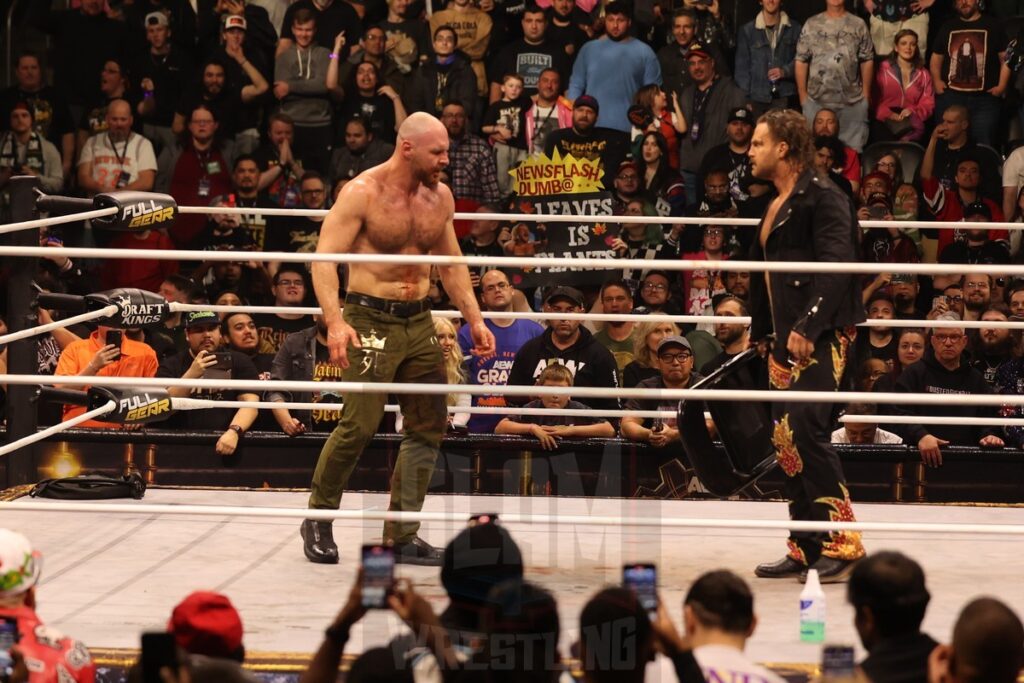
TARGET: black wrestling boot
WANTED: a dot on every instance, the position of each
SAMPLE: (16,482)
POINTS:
(785,568)
(831,570)
(318,542)
(418,551)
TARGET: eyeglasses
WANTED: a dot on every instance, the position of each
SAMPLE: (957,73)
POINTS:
(713,232)
(497,287)
(655,286)
(947,338)
(313,191)
(955,299)
(671,358)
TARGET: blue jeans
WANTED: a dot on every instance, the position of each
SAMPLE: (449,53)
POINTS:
(983,108)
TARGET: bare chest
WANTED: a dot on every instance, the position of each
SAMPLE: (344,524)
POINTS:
(769,220)
(412,227)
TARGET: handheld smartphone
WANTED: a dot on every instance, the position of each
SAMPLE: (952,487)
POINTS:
(938,300)
(221,369)
(114,337)
(8,639)
(642,579)
(223,360)
(837,664)
(158,651)
(877,212)
(378,575)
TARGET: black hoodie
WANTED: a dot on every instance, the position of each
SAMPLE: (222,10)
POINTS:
(592,365)
(928,376)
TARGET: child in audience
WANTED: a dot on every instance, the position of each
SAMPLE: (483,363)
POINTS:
(549,428)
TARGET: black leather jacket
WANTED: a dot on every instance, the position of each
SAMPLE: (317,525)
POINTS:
(816,223)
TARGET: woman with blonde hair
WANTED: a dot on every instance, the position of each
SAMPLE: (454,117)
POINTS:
(454,371)
(645,352)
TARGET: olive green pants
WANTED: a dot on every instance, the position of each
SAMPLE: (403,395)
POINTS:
(393,350)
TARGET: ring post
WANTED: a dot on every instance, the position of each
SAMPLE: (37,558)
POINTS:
(19,467)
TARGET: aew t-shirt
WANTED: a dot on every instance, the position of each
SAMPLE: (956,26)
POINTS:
(494,370)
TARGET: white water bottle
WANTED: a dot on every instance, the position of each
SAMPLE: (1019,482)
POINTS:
(812,610)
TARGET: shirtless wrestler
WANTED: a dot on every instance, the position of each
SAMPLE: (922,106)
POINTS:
(385,333)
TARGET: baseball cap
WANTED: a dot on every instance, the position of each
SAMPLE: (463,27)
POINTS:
(978,209)
(587,101)
(156,19)
(206,623)
(698,50)
(20,565)
(902,277)
(568,293)
(200,319)
(627,165)
(234,21)
(741,114)
(675,340)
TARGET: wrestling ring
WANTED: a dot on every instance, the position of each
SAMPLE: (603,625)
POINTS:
(113,570)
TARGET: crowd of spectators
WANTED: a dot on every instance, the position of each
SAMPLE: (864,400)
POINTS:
(275,104)
(501,624)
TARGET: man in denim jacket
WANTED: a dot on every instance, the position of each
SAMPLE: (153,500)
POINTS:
(765,51)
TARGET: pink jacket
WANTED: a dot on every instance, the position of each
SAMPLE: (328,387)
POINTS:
(563,113)
(890,97)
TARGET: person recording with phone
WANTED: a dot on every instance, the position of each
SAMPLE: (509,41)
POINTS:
(205,358)
(40,653)
(104,353)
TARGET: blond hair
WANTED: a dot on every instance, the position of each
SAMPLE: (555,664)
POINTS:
(641,352)
(453,368)
(556,372)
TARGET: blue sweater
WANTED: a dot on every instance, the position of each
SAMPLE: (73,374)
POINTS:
(612,72)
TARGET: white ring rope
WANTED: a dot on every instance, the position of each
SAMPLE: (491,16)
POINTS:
(36,223)
(58,324)
(204,403)
(790,267)
(603,218)
(516,518)
(261,386)
(491,315)
(58,428)
(612,317)
(930,420)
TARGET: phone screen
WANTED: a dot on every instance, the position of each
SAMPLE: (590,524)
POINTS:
(378,575)
(642,579)
(877,212)
(937,301)
(8,639)
(158,651)
(837,662)
(483,518)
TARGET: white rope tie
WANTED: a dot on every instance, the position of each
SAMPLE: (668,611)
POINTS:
(37,223)
(58,324)
(58,428)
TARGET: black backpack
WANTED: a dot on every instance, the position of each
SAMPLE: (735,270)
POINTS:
(91,487)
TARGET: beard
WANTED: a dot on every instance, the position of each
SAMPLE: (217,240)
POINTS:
(996,347)
(730,335)
(903,300)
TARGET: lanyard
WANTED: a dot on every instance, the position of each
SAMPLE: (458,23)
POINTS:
(120,157)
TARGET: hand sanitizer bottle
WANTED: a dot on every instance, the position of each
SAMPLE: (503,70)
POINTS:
(812,610)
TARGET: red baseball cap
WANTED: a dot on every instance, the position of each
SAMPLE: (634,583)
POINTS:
(206,623)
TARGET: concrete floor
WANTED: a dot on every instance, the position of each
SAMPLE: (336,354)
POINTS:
(107,578)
